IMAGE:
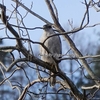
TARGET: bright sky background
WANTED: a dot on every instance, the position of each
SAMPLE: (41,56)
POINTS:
(72,10)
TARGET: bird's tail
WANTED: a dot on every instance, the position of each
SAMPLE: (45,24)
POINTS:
(52,79)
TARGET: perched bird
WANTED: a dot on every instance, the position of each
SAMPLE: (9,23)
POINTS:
(54,46)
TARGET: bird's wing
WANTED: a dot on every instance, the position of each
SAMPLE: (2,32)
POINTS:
(54,45)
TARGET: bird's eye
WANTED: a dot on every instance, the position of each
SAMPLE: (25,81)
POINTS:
(47,26)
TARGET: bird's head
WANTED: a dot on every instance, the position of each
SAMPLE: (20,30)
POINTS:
(47,27)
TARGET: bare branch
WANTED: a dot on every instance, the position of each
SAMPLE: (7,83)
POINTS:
(26,59)
(90,87)
(4,20)
(55,9)
(72,45)
(8,48)
(33,13)
(86,13)
(22,96)
(7,79)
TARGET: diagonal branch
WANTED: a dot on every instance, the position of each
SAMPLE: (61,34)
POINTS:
(33,13)
(71,44)
(4,20)
(55,9)
(53,15)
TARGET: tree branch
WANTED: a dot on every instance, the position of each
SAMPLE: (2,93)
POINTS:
(33,13)
(71,44)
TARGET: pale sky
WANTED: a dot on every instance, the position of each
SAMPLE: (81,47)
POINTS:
(72,10)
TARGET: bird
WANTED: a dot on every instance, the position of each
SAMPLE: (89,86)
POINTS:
(53,44)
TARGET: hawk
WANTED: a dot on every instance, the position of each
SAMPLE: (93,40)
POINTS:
(54,46)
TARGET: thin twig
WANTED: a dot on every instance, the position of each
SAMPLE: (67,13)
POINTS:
(33,13)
